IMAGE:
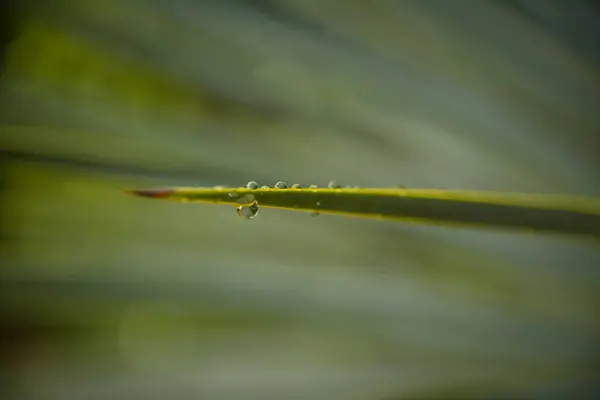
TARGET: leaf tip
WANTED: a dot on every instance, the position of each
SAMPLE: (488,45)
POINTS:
(152,193)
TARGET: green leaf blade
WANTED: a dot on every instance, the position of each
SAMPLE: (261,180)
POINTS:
(564,214)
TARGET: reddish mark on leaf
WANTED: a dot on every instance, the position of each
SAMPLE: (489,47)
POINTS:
(152,193)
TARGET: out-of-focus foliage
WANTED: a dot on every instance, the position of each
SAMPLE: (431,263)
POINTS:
(103,295)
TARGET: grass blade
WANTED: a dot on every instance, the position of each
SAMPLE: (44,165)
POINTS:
(564,214)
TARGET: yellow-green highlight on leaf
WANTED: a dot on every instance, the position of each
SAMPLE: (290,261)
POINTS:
(563,214)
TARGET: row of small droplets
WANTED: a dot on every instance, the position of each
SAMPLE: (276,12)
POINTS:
(247,206)
(282,185)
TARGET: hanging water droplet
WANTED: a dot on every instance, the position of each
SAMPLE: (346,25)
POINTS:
(334,185)
(247,207)
(247,212)
(281,185)
(252,185)
(296,186)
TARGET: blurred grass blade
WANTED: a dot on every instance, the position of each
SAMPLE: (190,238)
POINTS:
(565,214)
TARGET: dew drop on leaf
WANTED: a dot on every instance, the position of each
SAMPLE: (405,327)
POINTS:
(281,185)
(247,207)
(247,212)
(252,185)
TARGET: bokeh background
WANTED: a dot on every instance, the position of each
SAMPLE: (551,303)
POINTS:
(107,296)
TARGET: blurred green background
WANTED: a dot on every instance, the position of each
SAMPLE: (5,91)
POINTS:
(103,295)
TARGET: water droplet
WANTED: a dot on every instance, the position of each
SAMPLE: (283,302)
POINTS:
(247,212)
(252,185)
(247,207)
(318,204)
(233,194)
(281,185)
(264,187)
(219,187)
(334,185)
(313,187)
(296,186)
